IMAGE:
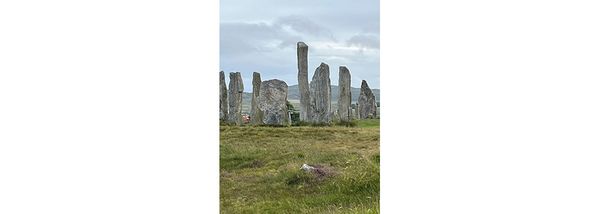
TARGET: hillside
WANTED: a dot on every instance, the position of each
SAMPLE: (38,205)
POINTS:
(294,96)
(294,93)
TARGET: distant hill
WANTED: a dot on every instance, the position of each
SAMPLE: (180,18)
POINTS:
(294,96)
(294,93)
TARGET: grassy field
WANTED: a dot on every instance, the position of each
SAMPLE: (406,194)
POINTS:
(260,169)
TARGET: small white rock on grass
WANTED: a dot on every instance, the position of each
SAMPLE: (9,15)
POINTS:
(307,168)
(317,170)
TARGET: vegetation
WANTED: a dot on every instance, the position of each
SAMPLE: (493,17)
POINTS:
(368,123)
(260,169)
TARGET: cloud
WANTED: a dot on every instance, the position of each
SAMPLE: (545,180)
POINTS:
(240,38)
(303,26)
(284,32)
(267,44)
(364,41)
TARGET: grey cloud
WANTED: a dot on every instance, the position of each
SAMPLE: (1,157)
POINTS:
(368,41)
(243,37)
(261,35)
(303,25)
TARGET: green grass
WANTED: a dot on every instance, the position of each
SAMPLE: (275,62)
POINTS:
(260,169)
(368,123)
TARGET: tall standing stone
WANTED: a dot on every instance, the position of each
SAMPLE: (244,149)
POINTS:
(302,53)
(272,102)
(255,114)
(367,106)
(320,95)
(345,97)
(236,89)
(223,109)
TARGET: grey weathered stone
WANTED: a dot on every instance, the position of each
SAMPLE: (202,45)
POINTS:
(302,53)
(335,116)
(255,114)
(320,95)
(236,88)
(367,105)
(223,108)
(272,102)
(345,97)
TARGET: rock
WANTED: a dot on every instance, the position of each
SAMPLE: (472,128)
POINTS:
(255,114)
(302,53)
(345,97)
(319,171)
(236,88)
(272,102)
(223,108)
(335,116)
(367,106)
(307,168)
(320,95)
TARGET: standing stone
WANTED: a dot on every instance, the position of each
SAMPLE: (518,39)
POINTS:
(222,97)
(367,106)
(302,53)
(345,97)
(255,116)
(335,116)
(236,89)
(320,95)
(272,103)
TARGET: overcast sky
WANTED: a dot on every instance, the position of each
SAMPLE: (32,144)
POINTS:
(261,35)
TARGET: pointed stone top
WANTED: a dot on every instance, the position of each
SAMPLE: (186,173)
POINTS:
(256,73)
(324,65)
(302,45)
(364,84)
